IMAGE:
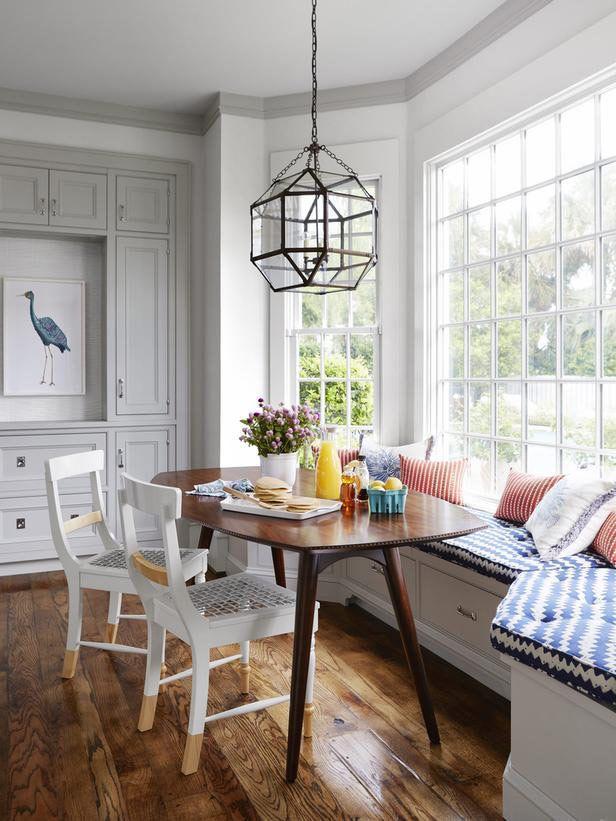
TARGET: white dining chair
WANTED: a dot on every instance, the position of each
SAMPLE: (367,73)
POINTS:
(235,609)
(106,570)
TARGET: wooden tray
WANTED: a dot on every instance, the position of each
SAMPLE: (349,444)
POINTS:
(244,506)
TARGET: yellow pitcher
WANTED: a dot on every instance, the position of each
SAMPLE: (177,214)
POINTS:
(328,469)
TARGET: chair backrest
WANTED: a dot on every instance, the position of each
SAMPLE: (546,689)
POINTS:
(90,462)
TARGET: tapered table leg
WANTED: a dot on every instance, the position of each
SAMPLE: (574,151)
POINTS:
(304,618)
(408,634)
(279,572)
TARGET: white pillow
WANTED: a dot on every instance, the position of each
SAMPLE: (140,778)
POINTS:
(570,515)
(383,462)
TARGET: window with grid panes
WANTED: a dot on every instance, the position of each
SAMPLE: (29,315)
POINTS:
(526,296)
(334,352)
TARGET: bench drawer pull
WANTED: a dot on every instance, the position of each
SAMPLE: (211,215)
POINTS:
(378,568)
(468,614)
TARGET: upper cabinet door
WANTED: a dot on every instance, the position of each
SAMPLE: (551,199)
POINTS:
(24,195)
(143,205)
(77,200)
(142,326)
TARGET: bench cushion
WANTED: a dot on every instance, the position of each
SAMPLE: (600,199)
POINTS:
(561,619)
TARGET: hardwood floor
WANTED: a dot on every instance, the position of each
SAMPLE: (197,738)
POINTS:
(70,749)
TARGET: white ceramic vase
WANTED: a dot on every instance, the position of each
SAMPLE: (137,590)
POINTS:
(281,466)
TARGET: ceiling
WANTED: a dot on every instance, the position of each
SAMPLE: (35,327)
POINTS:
(173,56)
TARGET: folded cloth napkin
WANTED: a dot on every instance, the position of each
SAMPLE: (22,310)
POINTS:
(217,488)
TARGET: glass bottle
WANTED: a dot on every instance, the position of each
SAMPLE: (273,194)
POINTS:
(363,480)
(328,470)
(348,490)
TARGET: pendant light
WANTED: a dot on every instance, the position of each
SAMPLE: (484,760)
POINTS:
(314,231)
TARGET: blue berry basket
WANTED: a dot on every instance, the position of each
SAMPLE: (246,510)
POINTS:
(387,501)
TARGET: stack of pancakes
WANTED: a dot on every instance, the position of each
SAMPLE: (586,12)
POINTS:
(277,494)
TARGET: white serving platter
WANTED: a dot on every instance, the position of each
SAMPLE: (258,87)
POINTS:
(244,506)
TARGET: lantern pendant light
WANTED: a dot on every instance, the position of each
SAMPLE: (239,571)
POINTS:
(314,231)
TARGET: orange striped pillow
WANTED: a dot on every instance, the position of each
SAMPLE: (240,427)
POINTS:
(605,540)
(522,494)
(441,479)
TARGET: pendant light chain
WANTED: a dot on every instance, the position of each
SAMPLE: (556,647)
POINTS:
(315,138)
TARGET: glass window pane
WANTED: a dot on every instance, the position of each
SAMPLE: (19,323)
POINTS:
(579,415)
(608,246)
(540,217)
(453,352)
(577,460)
(608,123)
(479,243)
(452,243)
(479,177)
(479,292)
(480,468)
(508,457)
(509,410)
(480,350)
(608,467)
(362,355)
(310,394)
(508,226)
(337,309)
(541,460)
(335,403)
(608,196)
(453,411)
(540,152)
(609,343)
(509,287)
(362,403)
(579,337)
(541,412)
(507,166)
(578,205)
(309,356)
(578,274)
(364,305)
(452,182)
(509,359)
(453,447)
(453,297)
(312,310)
(479,407)
(577,136)
(541,346)
(609,416)
(334,356)
(541,281)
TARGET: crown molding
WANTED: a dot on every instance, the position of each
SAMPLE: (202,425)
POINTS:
(498,23)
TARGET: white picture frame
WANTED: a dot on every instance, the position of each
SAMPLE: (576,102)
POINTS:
(27,358)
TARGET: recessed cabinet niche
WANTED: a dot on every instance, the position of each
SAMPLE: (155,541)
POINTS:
(39,196)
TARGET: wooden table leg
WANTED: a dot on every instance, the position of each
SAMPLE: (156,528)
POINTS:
(408,634)
(279,572)
(304,617)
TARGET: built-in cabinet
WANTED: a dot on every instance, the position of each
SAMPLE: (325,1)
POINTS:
(139,210)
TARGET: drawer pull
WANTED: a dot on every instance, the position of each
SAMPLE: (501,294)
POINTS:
(122,213)
(468,614)
(43,209)
(21,461)
(20,524)
(378,568)
(54,209)
(120,388)
(120,458)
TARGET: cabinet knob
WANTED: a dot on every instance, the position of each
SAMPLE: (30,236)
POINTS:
(21,461)
(43,210)
(54,212)
(20,524)
(120,458)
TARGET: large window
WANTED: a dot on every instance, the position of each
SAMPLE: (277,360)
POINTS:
(334,354)
(526,298)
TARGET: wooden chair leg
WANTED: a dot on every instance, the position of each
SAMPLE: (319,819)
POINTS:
(146,716)
(192,752)
(70,663)
(308,713)
(245,668)
(309,706)
(113,617)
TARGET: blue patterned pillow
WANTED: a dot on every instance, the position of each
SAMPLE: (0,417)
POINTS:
(383,462)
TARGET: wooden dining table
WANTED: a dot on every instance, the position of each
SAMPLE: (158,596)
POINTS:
(321,541)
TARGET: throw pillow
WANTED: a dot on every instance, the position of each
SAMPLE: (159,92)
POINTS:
(570,515)
(605,540)
(441,479)
(522,494)
(383,462)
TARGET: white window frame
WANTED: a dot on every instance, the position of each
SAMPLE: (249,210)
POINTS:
(601,83)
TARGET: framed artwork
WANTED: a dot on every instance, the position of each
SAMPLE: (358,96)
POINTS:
(43,336)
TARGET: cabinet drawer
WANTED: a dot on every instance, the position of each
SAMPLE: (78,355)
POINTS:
(25,533)
(461,609)
(371,575)
(22,460)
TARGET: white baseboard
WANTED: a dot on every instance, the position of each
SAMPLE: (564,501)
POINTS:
(523,801)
